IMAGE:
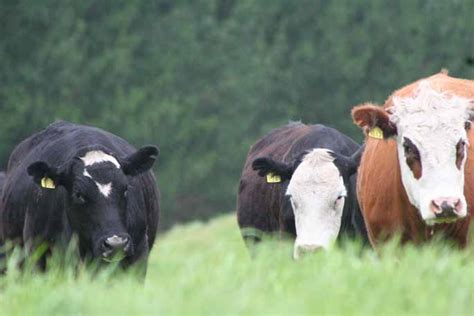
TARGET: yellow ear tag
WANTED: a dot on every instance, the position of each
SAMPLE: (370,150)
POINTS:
(273,178)
(376,132)
(47,183)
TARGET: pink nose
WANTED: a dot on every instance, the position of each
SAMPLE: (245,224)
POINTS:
(446,207)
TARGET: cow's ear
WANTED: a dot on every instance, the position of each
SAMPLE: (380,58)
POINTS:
(349,164)
(266,165)
(44,175)
(355,159)
(142,160)
(370,117)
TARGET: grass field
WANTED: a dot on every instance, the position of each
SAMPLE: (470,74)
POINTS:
(203,268)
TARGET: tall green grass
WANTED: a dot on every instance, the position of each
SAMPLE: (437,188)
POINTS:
(205,269)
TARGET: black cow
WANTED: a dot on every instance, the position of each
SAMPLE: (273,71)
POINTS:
(79,180)
(300,180)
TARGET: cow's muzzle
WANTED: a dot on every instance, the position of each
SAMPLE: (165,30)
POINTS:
(446,209)
(115,248)
(303,250)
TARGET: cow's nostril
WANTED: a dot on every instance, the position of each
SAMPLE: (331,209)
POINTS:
(435,207)
(106,245)
(457,205)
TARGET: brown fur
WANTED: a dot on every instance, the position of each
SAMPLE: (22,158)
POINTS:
(382,197)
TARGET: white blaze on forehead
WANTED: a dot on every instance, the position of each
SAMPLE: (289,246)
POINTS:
(87,174)
(316,171)
(430,111)
(97,156)
(434,122)
(314,188)
(105,189)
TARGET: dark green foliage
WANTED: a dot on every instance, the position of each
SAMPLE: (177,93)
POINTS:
(205,79)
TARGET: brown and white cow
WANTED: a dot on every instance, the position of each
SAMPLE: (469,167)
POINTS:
(419,178)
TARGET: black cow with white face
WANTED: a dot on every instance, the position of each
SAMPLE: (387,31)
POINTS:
(311,192)
(78,180)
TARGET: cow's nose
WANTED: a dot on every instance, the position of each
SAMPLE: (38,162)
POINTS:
(445,208)
(302,250)
(115,244)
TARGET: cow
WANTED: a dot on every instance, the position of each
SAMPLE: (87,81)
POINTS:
(75,180)
(299,181)
(416,174)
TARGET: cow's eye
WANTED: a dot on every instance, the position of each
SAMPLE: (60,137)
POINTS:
(78,198)
(412,158)
(125,193)
(339,199)
(460,153)
(467,125)
(411,151)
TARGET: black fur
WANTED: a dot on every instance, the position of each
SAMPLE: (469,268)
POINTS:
(31,214)
(267,165)
(347,166)
(140,161)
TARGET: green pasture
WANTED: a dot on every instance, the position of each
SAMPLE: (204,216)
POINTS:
(204,268)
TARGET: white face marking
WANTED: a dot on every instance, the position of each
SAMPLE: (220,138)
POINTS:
(434,122)
(87,174)
(97,156)
(105,189)
(317,196)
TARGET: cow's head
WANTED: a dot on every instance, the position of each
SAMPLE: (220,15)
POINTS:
(430,128)
(98,201)
(317,191)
